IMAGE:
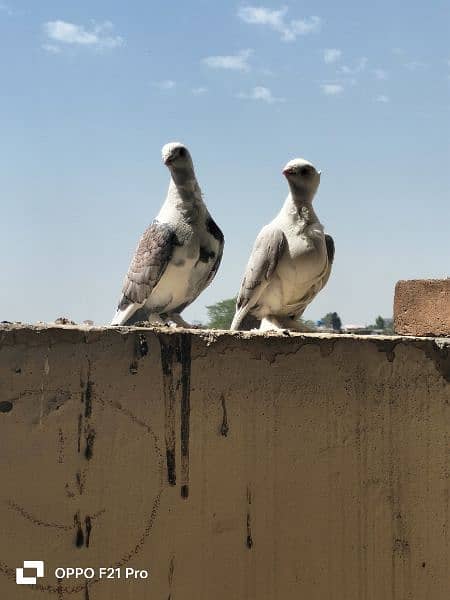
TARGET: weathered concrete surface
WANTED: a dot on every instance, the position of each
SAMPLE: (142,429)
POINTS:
(232,466)
(422,307)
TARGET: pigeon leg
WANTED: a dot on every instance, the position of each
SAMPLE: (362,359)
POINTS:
(175,320)
(155,319)
(271,324)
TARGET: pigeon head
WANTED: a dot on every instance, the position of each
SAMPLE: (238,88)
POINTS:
(176,155)
(177,159)
(303,177)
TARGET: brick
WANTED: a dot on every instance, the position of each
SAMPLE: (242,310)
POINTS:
(422,307)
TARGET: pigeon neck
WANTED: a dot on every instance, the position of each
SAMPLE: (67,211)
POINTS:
(300,207)
(301,195)
(185,196)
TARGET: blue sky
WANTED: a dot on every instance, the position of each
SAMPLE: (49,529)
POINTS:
(92,90)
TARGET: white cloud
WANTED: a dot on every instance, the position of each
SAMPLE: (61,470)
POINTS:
(276,20)
(382,98)
(359,66)
(198,91)
(413,65)
(332,89)
(331,55)
(51,48)
(4,8)
(165,84)
(99,36)
(261,93)
(9,11)
(233,62)
(380,74)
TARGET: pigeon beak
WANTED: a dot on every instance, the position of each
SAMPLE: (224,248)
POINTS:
(168,161)
(287,172)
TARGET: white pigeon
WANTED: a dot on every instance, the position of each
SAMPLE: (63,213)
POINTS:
(291,259)
(178,255)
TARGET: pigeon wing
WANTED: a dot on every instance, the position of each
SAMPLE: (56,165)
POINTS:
(330,248)
(329,242)
(149,262)
(269,247)
(216,232)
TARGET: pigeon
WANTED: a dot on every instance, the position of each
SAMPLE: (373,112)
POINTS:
(291,259)
(177,256)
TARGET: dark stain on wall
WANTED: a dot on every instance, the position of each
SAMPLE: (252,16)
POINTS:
(80,428)
(388,347)
(142,345)
(79,537)
(88,525)
(185,359)
(90,439)
(176,373)
(224,428)
(88,399)
(249,539)
(134,367)
(167,355)
(440,355)
(61,444)
(6,406)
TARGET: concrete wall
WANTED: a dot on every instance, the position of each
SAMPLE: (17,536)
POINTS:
(231,466)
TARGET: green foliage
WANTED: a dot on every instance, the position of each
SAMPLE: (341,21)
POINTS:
(386,325)
(308,324)
(326,320)
(389,326)
(221,314)
(332,321)
(379,322)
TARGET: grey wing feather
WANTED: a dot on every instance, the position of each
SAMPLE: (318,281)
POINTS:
(216,232)
(269,246)
(330,247)
(149,262)
(214,269)
(329,242)
(215,266)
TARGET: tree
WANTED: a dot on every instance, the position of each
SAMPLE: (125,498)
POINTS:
(336,322)
(389,326)
(385,324)
(332,321)
(379,323)
(221,314)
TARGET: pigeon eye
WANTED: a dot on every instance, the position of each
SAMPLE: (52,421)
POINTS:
(182,152)
(305,171)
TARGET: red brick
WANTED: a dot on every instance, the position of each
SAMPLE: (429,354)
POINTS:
(422,307)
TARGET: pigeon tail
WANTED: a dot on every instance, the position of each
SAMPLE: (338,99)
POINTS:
(238,318)
(124,314)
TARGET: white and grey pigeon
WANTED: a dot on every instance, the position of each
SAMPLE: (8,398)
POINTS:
(178,255)
(291,259)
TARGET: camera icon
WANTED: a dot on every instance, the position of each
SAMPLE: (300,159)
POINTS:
(38,565)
